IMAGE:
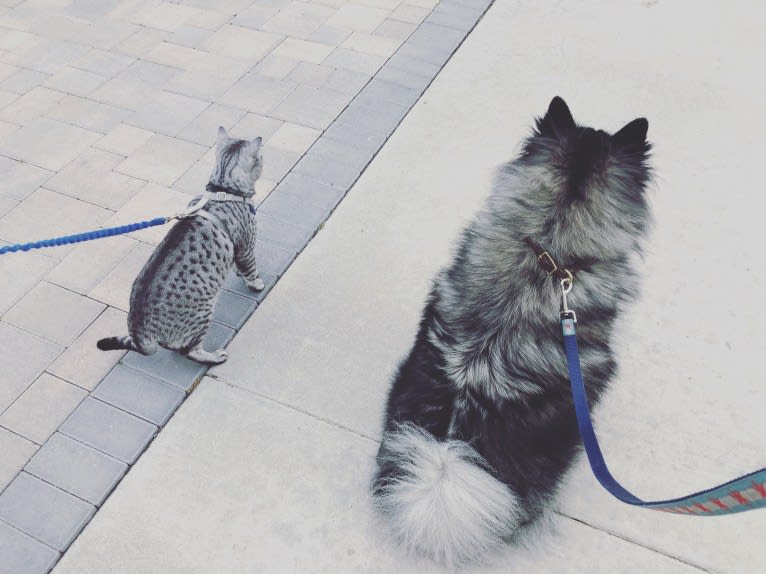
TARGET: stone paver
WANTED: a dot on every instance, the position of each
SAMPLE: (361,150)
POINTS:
(76,468)
(42,408)
(87,265)
(108,429)
(168,113)
(358,18)
(54,313)
(294,137)
(297,19)
(103,62)
(26,272)
(135,86)
(139,394)
(250,124)
(175,369)
(124,139)
(231,310)
(203,128)
(311,107)
(21,81)
(75,81)
(242,43)
(161,159)
(284,232)
(40,216)
(91,178)
(25,110)
(108,115)
(23,554)
(282,161)
(152,201)
(258,93)
(24,357)
(48,143)
(16,452)
(88,114)
(114,288)
(44,511)
(21,179)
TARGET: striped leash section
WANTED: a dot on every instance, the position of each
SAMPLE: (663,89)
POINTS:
(747,492)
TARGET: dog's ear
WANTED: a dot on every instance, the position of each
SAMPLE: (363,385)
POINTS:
(632,135)
(558,121)
(222,134)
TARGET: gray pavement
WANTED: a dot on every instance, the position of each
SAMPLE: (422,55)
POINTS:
(265,467)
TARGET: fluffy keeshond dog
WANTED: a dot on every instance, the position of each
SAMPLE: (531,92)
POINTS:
(480,427)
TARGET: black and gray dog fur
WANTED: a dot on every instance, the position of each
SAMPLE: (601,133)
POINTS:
(480,428)
(173,296)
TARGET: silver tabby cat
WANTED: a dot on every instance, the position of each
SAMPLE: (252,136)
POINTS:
(172,299)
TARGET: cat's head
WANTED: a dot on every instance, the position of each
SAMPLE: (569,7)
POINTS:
(592,182)
(238,163)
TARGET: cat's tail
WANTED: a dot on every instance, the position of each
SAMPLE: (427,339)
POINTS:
(128,343)
(439,498)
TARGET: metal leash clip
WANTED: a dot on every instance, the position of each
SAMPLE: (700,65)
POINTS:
(191,209)
(566,287)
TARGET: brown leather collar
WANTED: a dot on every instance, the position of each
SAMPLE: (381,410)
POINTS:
(549,264)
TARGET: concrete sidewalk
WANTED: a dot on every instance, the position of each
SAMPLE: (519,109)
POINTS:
(265,467)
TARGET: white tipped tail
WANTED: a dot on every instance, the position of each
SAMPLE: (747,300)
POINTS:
(439,500)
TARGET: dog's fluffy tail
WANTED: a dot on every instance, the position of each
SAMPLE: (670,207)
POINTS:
(439,499)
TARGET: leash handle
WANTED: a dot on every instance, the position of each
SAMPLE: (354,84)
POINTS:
(747,492)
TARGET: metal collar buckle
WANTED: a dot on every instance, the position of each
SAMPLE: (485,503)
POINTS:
(547,263)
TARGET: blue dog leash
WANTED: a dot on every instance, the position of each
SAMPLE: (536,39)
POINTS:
(747,492)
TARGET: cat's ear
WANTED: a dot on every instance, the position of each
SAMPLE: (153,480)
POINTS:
(557,121)
(255,146)
(222,134)
(633,135)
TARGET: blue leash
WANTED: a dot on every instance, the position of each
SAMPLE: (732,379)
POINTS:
(87,236)
(747,492)
(97,234)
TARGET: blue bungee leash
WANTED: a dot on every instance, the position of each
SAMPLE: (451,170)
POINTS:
(111,231)
(747,492)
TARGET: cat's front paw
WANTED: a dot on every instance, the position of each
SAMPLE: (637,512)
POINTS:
(256,284)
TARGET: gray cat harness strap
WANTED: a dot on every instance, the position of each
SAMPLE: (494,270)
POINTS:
(212,219)
(191,209)
(207,196)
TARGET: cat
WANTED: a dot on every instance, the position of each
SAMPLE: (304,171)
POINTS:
(480,426)
(172,298)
